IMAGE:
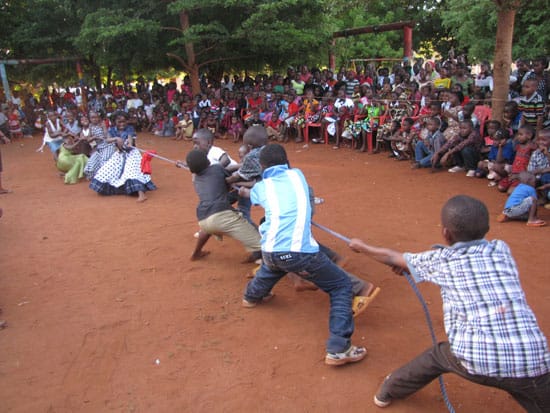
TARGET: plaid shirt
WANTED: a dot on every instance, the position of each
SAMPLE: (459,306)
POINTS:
(491,329)
(251,168)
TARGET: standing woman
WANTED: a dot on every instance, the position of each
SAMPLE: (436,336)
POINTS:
(121,174)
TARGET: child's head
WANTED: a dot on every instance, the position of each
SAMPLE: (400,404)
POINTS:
(468,110)
(84,121)
(202,140)
(197,161)
(272,155)
(186,116)
(492,126)
(527,178)
(407,124)
(501,134)
(543,139)
(234,119)
(456,98)
(243,150)
(435,108)
(255,136)
(510,110)
(465,127)
(529,87)
(395,125)
(433,124)
(464,219)
(525,134)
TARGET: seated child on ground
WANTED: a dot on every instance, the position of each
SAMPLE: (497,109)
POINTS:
(236,128)
(524,148)
(499,159)
(539,165)
(522,203)
(430,144)
(402,142)
(184,128)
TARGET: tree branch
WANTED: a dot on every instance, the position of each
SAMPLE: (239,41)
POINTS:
(176,29)
(184,64)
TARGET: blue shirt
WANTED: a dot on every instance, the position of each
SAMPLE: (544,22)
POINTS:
(507,152)
(284,195)
(519,193)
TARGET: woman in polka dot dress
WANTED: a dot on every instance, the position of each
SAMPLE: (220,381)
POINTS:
(122,174)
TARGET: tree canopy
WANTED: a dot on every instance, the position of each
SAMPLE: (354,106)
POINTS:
(138,37)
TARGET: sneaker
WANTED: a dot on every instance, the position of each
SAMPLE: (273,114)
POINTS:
(491,175)
(351,355)
(471,173)
(456,169)
(381,402)
(251,304)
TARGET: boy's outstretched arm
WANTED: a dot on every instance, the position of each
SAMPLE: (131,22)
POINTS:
(384,255)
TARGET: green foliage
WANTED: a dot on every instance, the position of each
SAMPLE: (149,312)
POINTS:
(473,25)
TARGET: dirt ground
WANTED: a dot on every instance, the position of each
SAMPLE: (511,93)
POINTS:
(105,311)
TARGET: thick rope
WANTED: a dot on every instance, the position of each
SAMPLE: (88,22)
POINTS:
(413,285)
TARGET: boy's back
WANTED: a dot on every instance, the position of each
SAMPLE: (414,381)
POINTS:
(211,188)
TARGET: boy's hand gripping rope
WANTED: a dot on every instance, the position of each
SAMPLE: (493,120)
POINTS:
(424,307)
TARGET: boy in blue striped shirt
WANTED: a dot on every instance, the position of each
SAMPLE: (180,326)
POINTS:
(288,246)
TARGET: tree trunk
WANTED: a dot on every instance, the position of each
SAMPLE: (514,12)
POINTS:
(191,67)
(503,55)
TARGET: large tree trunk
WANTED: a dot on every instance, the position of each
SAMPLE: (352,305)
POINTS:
(191,67)
(503,54)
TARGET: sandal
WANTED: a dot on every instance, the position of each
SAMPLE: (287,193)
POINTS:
(537,223)
(360,302)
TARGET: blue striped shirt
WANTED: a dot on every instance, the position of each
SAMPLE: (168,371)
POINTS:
(284,195)
(491,329)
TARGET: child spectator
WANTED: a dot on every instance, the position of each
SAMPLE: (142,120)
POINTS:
(531,105)
(463,151)
(214,211)
(523,149)
(511,116)
(402,141)
(288,246)
(499,160)
(539,164)
(274,128)
(53,134)
(236,129)
(522,203)
(14,123)
(430,144)
(184,128)
(493,335)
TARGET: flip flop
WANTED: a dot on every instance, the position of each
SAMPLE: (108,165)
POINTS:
(537,223)
(360,302)
(502,218)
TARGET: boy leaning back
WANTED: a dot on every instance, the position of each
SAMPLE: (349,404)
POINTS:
(493,335)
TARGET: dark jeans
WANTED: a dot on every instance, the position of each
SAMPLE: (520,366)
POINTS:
(468,157)
(533,393)
(322,272)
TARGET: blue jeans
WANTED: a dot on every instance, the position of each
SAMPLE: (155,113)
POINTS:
(243,206)
(322,272)
(423,155)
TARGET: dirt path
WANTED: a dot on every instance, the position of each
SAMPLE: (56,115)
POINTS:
(96,289)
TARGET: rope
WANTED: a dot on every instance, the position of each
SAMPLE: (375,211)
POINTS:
(424,307)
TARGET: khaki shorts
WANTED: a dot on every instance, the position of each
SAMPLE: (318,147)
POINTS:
(232,224)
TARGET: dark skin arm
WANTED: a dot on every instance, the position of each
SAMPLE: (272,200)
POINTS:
(384,255)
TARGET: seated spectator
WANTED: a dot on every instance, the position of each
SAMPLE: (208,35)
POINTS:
(430,143)
(522,203)
(500,157)
(531,105)
(523,149)
(463,150)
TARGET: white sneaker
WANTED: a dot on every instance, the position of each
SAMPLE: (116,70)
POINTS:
(456,169)
(471,173)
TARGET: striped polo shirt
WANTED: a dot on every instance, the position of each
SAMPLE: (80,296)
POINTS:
(531,108)
(284,195)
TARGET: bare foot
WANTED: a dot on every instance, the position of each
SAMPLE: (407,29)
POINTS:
(199,255)
(141,197)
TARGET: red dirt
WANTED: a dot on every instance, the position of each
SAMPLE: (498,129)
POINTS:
(96,289)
